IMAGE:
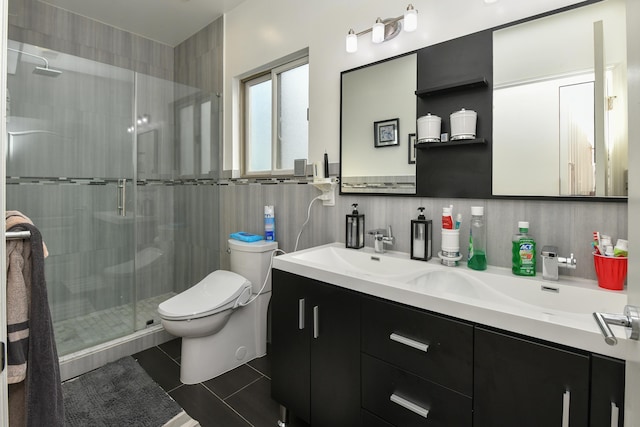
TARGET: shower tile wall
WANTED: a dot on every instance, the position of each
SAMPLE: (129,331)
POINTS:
(40,24)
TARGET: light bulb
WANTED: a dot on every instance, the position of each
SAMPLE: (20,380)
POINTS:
(377,35)
(352,42)
(410,19)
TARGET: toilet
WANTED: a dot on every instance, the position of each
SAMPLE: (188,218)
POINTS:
(218,332)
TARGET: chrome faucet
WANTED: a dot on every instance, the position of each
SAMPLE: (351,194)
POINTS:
(379,239)
(551,262)
(630,320)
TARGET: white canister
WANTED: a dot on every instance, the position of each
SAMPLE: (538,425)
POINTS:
(463,124)
(429,128)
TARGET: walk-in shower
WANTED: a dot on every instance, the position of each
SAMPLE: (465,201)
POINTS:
(114,199)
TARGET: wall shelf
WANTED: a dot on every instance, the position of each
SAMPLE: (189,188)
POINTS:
(451,143)
(443,89)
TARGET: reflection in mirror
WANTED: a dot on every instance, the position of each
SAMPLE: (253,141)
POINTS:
(560,113)
(147,155)
(380,92)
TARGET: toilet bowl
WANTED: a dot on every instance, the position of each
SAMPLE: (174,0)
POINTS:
(219,332)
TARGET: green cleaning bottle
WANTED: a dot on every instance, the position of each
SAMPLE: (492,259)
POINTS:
(523,252)
(477,240)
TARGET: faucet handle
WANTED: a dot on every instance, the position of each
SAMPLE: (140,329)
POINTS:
(570,262)
(389,233)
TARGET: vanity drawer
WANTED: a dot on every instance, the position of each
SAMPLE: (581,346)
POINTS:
(406,400)
(370,420)
(434,347)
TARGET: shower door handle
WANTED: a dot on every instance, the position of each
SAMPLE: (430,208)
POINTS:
(122,197)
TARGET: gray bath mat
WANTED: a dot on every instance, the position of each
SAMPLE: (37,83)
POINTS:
(118,394)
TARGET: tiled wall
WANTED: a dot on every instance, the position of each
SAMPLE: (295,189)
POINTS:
(567,225)
(198,63)
(41,24)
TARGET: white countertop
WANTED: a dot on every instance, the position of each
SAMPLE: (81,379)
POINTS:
(494,297)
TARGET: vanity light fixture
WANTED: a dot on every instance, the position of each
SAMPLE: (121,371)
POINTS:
(384,30)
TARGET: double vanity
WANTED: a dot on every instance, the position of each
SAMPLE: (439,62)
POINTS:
(363,338)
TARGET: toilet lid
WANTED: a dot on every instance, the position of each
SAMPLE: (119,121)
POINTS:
(216,292)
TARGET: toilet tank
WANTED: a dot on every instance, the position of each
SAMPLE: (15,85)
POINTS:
(251,260)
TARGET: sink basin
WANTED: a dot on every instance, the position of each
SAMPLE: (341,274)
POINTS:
(363,263)
(456,284)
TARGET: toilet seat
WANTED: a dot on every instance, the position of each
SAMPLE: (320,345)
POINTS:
(219,291)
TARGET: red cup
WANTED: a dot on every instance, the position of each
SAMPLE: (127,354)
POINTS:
(611,271)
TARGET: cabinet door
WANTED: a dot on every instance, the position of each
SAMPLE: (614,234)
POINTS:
(607,391)
(335,357)
(290,336)
(526,384)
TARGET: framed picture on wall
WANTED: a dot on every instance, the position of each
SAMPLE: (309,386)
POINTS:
(386,133)
(412,148)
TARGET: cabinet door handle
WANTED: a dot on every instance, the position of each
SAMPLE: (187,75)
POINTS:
(301,313)
(566,401)
(615,414)
(408,341)
(316,322)
(416,409)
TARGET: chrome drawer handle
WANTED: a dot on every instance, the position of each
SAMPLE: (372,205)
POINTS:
(416,409)
(566,402)
(408,341)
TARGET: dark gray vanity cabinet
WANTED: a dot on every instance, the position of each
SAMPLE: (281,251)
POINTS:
(341,358)
(607,391)
(315,350)
(518,382)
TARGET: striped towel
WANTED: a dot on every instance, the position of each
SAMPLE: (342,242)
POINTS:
(18,299)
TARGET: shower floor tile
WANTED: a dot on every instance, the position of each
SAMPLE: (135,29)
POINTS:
(101,326)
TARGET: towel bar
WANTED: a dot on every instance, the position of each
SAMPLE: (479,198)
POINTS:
(17,235)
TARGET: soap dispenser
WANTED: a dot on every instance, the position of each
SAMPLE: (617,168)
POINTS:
(355,229)
(421,230)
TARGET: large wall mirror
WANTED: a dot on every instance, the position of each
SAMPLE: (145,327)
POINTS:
(559,110)
(560,104)
(376,154)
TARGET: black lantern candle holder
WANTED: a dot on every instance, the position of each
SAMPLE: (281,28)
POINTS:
(421,232)
(355,229)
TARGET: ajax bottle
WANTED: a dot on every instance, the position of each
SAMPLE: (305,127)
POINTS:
(523,252)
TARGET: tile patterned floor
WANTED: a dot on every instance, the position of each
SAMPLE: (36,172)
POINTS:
(239,398)
(85,331)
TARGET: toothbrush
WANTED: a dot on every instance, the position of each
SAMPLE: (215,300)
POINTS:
(458,221)
(596,242)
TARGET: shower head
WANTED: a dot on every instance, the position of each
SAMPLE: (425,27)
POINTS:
(46,71)
(42,71)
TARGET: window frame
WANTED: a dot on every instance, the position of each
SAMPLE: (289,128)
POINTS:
(269,75)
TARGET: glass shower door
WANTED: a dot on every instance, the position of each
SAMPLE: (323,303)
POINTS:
(70,168)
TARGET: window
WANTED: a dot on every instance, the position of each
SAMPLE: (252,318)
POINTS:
(276,126)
